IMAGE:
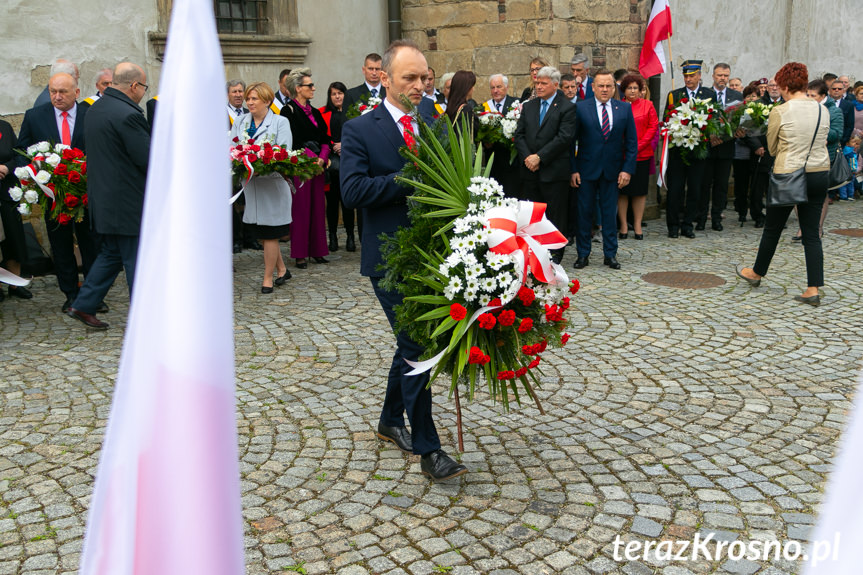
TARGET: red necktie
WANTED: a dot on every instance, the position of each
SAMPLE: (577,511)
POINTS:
(606,127)
(408,132)
(581,91)
(66,136)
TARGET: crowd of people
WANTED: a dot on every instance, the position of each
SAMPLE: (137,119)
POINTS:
(586,145)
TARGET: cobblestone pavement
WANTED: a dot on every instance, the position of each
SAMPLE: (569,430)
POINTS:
(671,413)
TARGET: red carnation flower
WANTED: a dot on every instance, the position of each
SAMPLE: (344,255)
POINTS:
(540,347)
(495,302)
(71,201)
(506,317)
(503,375)
(520,371)
(528,349)
(50,186)
(485,359)
(564,304)
(294,160)
(486,321)
(684,100)
(526,295)
(63,219)
(475,355)
(564,338)
(84,200)
(574,286)
(83,167)
(236,139)
(74,177)
(457,311)
(525,326)
(60,170)
(534,363)
(251,141)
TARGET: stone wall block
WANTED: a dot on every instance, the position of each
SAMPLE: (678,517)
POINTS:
(619,34)
(451,14)
(600,10)
(528,9)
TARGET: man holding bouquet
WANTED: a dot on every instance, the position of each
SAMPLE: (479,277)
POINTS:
(370,163)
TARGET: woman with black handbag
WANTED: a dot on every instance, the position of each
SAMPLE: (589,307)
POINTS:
(797,139)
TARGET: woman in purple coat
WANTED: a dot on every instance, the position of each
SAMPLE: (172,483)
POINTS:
(308,229)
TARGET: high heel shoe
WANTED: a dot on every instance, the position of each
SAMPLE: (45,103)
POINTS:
(622,235)
(750,281)
(321,260)
(638,236)
(302,263)
(813,300)
(282,279)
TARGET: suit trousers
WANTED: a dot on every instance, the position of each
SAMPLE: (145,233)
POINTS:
(745,196)
(116,252)
(717,172)
(809,216)
(62,240)
(407,393)
(555,196)
(603,193)
(684,191)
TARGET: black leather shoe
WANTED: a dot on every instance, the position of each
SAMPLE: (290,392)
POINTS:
(321,260)
(103,308)
(688,233)
(266,289)
(398,435)
(282,279)
(238,248)
(717,226)
(759,223)
(350,243)
(699,227)
(87,319)
(612,263)
(580,263)
(622,236)
(638,236)
(673,234)
(20,292)
(440,466)
(67,304)
(334,243)
(302,263)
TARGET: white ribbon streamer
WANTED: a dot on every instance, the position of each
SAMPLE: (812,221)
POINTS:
(11,279)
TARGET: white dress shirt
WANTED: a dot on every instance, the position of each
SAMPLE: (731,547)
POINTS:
(73,111)
(397,116)
(610,114)
(378,88)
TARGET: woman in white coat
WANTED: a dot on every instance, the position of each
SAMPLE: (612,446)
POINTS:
(268,198)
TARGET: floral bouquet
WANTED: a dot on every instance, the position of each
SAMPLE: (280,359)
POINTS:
(482,294)
(495,127)
(364,105)
(690,125)
(750,117)
(56,179)
(260,158)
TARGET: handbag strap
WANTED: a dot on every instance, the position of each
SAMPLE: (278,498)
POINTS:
(817,125)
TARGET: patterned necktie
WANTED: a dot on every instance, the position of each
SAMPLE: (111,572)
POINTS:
(239,111)
(408,132)
(497,104)
(374,92)
(66,136)
(542,110)
(606,127)
(581,91)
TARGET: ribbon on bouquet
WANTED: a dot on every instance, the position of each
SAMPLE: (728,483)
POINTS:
(663,159)
(250,171)
(526,234)
(11,279)
(46,189)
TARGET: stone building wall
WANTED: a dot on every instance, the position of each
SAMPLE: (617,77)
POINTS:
(502,36)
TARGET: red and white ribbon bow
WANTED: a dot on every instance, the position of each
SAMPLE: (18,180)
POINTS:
(528,235)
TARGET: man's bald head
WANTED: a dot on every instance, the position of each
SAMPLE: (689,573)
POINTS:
(63,89)
(130,79)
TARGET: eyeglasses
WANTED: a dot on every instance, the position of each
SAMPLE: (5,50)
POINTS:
(312,85)
(535,69)
(146,87)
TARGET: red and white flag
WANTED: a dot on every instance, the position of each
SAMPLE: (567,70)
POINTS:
(167,494)
(652,60)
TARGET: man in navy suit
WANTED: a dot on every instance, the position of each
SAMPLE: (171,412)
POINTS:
(543,138)
(372,86)
(370,163)
(603,161)
(61,121)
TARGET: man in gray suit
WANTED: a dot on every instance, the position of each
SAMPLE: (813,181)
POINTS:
(118,151)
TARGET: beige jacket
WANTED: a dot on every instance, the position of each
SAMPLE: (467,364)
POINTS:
(789,133)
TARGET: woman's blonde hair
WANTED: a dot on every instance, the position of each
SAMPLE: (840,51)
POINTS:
(262,90)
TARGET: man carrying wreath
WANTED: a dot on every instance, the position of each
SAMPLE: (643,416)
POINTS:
(370,163)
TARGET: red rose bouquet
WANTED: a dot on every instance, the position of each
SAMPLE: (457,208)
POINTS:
(56,179)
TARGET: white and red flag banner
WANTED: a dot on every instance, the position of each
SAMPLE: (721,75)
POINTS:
(652,60)
(167,494)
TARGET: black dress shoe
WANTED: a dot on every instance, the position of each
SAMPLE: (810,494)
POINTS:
(87,319)
(334,243)
(20,292)
(699,227)
(321,260)
(440,466)
(622,236)
(266,289)
(282,279)
(612,263)
(688,233)
(238,248)
(398,435)
(638,236)
(302,263)
(759,223)
(717,226)
(673,234)
(580,263)
(351,244)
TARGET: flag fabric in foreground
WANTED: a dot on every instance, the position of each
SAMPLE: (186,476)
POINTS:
(167,494)
(652,60)
(834,547)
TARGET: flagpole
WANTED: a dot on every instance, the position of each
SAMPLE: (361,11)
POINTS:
(670,53)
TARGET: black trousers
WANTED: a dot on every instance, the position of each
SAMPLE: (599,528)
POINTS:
(809,215)
(116,253)
(62,240)
(717,171)
(556,197)
(334,200)
(684,191)
(745,196)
